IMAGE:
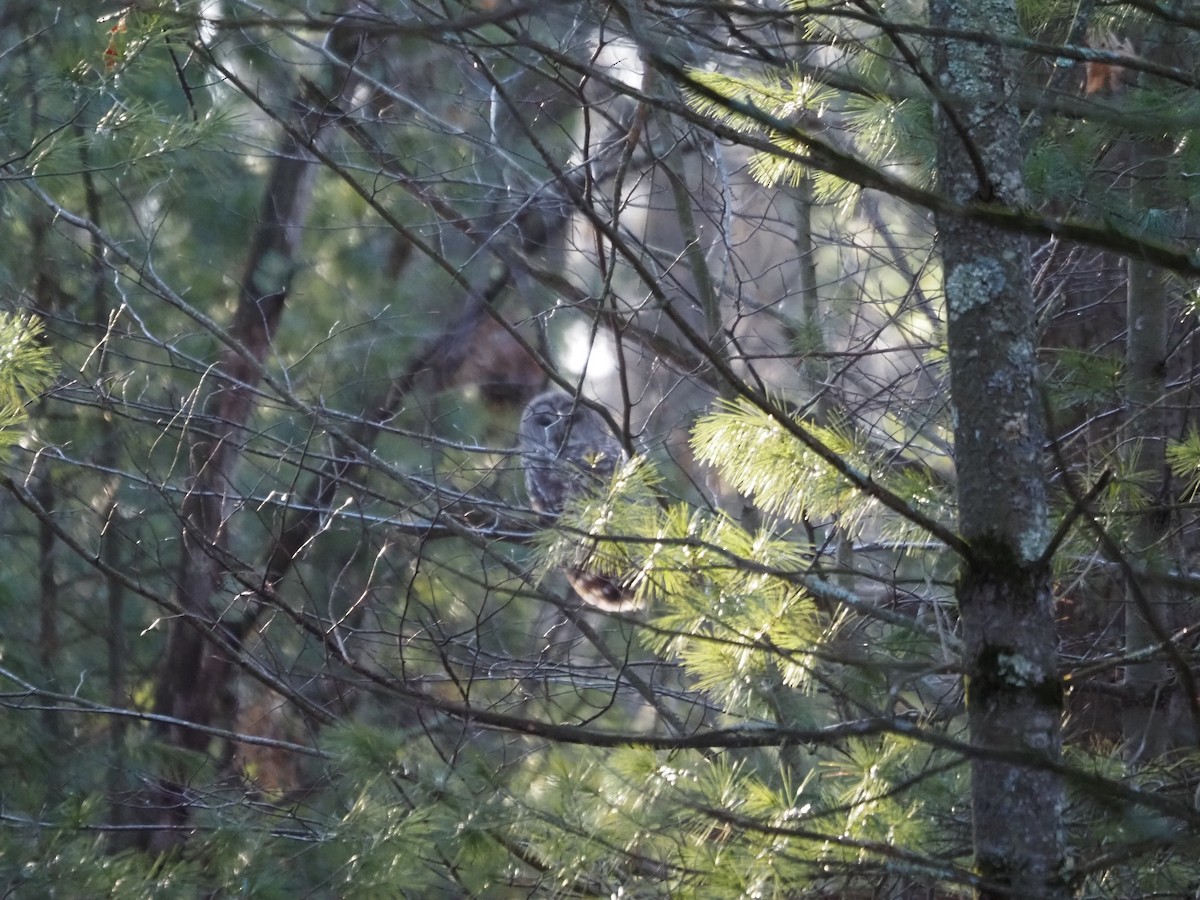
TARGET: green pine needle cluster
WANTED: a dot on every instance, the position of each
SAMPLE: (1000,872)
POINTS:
(1183,457)
(764,461)
(781,95)
(26,369)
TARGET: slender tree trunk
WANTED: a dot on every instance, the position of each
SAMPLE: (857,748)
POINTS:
(1014,694)
(48,612)
(196,681)
(1145,722)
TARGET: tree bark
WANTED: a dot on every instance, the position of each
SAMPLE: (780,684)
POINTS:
(1014,693)
(1144,720)
(195,684)
(1146,724)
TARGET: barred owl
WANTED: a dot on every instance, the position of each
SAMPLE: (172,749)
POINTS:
(567,451)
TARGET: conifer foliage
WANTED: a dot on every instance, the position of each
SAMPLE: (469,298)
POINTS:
(890,307)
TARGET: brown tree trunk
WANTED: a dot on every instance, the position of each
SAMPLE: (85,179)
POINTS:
(195,683)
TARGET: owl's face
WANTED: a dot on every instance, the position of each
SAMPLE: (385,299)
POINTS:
(566,449)
(551,419)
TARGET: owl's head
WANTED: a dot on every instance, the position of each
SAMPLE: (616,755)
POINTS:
(550,419)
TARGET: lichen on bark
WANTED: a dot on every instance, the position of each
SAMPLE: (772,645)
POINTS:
(972,285)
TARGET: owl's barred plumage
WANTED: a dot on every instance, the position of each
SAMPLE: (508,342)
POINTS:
(568,451)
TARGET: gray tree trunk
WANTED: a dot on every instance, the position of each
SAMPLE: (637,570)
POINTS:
(1014,693)
(1145,723)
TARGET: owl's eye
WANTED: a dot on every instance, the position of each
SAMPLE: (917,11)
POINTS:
(544,420)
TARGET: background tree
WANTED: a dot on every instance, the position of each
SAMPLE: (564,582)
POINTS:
(824,270)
